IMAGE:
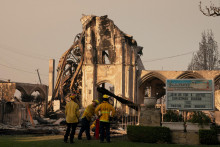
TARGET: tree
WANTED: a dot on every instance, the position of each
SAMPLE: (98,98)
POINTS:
(210,11)
(207,57)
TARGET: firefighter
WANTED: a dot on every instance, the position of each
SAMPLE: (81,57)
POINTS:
(72,118)
(105,111)
(86,118)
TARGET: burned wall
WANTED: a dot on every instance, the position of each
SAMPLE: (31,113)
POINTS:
(7,91)
(8,98)
(13,113)
(106,54)
(110,55)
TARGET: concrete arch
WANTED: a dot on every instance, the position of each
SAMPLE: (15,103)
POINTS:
(154,83)
(190,75)
(152,75)
(22,90)
(41,91)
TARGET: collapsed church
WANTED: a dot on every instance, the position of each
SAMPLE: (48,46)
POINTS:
(101,54)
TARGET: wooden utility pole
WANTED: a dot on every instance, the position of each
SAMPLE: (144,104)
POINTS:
(39,76)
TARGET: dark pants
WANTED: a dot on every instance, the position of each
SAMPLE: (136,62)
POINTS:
(72,127)
(104,127)
(85,127)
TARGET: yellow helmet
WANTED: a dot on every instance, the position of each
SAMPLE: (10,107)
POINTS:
(73,96)
(105,96)
(96,101)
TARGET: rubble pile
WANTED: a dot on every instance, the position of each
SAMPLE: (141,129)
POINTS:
(49,126)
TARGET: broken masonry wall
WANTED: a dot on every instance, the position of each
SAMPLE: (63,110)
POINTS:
(104,31)
(101,37)
(14,114)
(88,69)
(7,91)
(13,110)
(98,39)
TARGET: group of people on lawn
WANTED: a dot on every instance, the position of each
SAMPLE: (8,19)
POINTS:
(103,111)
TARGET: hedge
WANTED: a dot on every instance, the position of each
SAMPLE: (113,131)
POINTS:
(149,134)
(208,136)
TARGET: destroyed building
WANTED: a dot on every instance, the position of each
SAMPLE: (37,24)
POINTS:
(101,54)
(18,110)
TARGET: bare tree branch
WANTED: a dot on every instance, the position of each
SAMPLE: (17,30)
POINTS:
(210,11)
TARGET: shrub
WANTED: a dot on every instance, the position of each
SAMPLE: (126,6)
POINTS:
(148,134)
(208,137)
(216,128)
(171,116)
(200,117)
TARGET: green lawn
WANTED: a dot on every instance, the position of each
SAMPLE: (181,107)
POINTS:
(57,141)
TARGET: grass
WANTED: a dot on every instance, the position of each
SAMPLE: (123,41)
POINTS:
(57,141)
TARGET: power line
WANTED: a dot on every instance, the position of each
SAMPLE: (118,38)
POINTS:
(10,66)
(21,70)
(163,58)
(26,55)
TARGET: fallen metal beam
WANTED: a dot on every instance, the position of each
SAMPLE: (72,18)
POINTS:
(120,99)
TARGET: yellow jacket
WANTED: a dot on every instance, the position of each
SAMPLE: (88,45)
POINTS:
(105,110)
(89,112)
(72,112)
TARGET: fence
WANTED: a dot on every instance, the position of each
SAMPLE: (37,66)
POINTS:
(13,113)
(126,119)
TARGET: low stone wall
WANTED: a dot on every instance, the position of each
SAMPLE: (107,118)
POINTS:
(189,138)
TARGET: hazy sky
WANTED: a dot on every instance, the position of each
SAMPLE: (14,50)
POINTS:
(33,31)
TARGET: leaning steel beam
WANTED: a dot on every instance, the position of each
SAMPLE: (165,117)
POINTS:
(120,99)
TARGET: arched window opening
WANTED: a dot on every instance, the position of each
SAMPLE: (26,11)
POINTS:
(20,95)
(152,87)
(17,95)
(106,57)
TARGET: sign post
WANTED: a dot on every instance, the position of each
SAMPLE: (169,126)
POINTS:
(189,95)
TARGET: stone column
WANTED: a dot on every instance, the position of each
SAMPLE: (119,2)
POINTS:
(56,103)
(51,79)
(119,82)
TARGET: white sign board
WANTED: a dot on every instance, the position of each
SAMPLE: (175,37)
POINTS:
(189,94)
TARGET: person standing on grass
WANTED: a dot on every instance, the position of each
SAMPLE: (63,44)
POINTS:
(105,111)
(86,118)
(72,118)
